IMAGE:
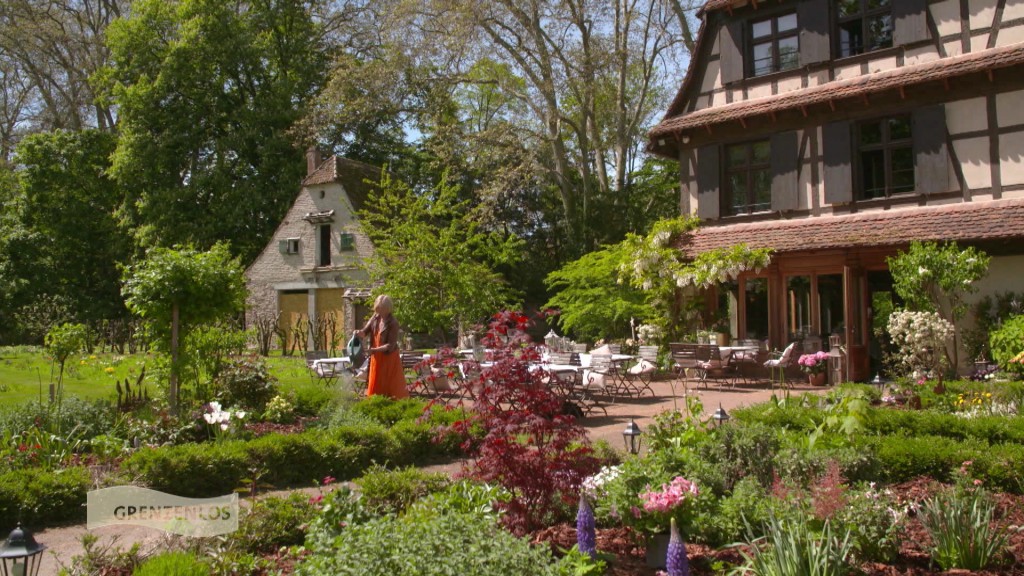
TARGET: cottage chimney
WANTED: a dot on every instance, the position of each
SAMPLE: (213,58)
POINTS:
(313,159)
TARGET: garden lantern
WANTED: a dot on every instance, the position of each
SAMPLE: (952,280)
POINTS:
(720,416)
(877,381)
(631,437)
(21,555)
(550,339)
(836,359)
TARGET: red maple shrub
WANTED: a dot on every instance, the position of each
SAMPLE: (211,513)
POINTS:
(528,446)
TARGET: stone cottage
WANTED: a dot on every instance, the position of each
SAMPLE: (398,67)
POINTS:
(307,282)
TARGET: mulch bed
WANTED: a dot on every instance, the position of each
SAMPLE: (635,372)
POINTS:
(629,560)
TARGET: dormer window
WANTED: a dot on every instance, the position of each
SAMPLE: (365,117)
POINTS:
(774,44)
(863,26)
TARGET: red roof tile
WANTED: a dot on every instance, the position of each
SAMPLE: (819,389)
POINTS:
(968,221)
(860,85)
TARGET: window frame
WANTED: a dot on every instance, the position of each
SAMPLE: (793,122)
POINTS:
(726,206)
(887,146)
(864,15)
(773,38)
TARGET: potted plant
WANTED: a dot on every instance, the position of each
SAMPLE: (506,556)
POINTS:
(814,365)
(673,502)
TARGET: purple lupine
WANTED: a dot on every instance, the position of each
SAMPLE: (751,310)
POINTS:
(586,535)
(676,563)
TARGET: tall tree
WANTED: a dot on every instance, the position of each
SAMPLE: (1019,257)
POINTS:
(207,93)
(63,241)
(50,49)
(548,97)
(438,265)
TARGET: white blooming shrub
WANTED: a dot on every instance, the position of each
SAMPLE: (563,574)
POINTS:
(920,339)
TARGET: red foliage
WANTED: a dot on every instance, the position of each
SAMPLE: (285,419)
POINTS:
(539,455)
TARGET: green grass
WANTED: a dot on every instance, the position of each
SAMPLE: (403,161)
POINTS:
(26,372)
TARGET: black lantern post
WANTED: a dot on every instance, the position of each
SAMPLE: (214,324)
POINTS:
(631,437)
(720,416)
(21,555)
(877,381)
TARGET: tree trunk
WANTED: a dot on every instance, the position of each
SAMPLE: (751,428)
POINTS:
(172,393)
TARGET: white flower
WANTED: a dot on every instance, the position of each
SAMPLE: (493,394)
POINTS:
(214,406)
(209,418)
(239,414)
(224,427)
(922,271)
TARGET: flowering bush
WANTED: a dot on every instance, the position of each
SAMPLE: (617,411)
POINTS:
(674,500)
(920,340)
(813,363)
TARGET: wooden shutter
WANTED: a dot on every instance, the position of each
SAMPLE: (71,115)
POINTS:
(708,176)
(910,22)
(785,160)
(812,18)
(931,157)
(731,51)
(838,171)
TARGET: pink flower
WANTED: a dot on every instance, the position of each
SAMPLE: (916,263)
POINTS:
(977,482)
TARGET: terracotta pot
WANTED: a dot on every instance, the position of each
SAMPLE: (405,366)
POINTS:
(816,379)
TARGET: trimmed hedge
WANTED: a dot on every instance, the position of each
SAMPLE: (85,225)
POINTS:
(999,466)
(992,429)
(281,460)
(42,497)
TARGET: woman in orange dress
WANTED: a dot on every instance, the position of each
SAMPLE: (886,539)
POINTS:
(386,375)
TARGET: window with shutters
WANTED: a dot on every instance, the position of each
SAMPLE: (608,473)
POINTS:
(774,44)
(347,242)
(748,178)
(863,26)
(885,157)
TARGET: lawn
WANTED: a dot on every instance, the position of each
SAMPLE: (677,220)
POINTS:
(26,373)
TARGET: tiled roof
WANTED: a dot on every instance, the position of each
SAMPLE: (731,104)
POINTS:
(351,174)
(712,5)
(967,221)
(858,86)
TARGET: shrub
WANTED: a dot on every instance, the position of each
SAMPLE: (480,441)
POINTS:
(999,466)
(747,506)
(312,400)
(43,497)
(192,470)
(539,455)
(471,545)
(388,411)
(1007,343)
(77,419)
(279,411)
(245,384)
(875,520)
(273,522)
(392,491)
(173,564)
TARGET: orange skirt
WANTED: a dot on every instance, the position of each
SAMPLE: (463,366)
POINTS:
(386,376)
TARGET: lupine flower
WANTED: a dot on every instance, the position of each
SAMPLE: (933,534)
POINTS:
(586,535)
(676,563)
